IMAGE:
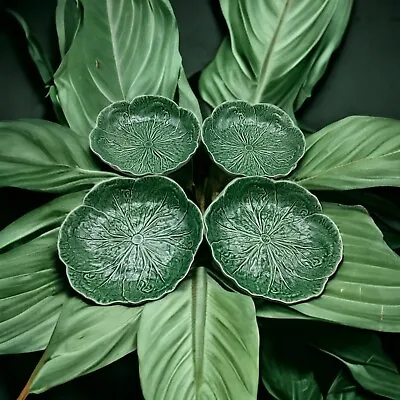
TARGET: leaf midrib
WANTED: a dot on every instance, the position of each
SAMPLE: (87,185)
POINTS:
(199,310)
(264,70)
(113,46)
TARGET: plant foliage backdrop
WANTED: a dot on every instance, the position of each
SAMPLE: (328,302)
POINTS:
(224,317)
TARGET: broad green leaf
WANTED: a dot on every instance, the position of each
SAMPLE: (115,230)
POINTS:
(353,153)
(270,51)
(186,97)
(138,238)
(382,208)
(253,140)
(86,338)
(199,342)
(122,49)
(43,156)
(32,286)
(344,388)
(322,53)
(68,20)
(272,239)
(362,352)
(149,135)
(39,220)
(365,291)
(287,368)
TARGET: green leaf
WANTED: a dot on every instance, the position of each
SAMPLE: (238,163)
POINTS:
(383,209)
(199,342)
(365,291)
(39,220)
(149,135)
(43,156)
(322,53)
(68,20)
(253,140)
(344,388)
(271,51)
(287,368)
(353,153)
(85,339)
(186,97)
(32,286)
(123,49)
(138,238)
(271,310)
(362,353)
(272,239)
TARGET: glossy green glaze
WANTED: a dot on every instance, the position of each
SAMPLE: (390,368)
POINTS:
(132,240)
(250,140)
(271,238)
(150,135)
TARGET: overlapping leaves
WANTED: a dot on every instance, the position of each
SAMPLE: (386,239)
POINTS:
(365,292)
(275,52)
(206,352)
(43,156)
(99,68)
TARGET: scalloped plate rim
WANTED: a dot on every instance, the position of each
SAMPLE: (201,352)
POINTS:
(295,165)
(266,297)
(129,173)
(120,302)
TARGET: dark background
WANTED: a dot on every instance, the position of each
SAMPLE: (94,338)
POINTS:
(363,78)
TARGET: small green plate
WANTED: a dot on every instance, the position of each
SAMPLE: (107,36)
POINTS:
(131,241)
(150,135)
(272,240)
(253,140)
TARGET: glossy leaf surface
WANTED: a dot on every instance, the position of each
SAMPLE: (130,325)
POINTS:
(381,205)
(39,220)
(32,291)
(253,140)
(191,347)
(123,49)
(319,58)
(43,156)
(365,291)
(270,50)
(272,240)
(150,135)
(138,238)
(86,338)
(69,15)
(353,153)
